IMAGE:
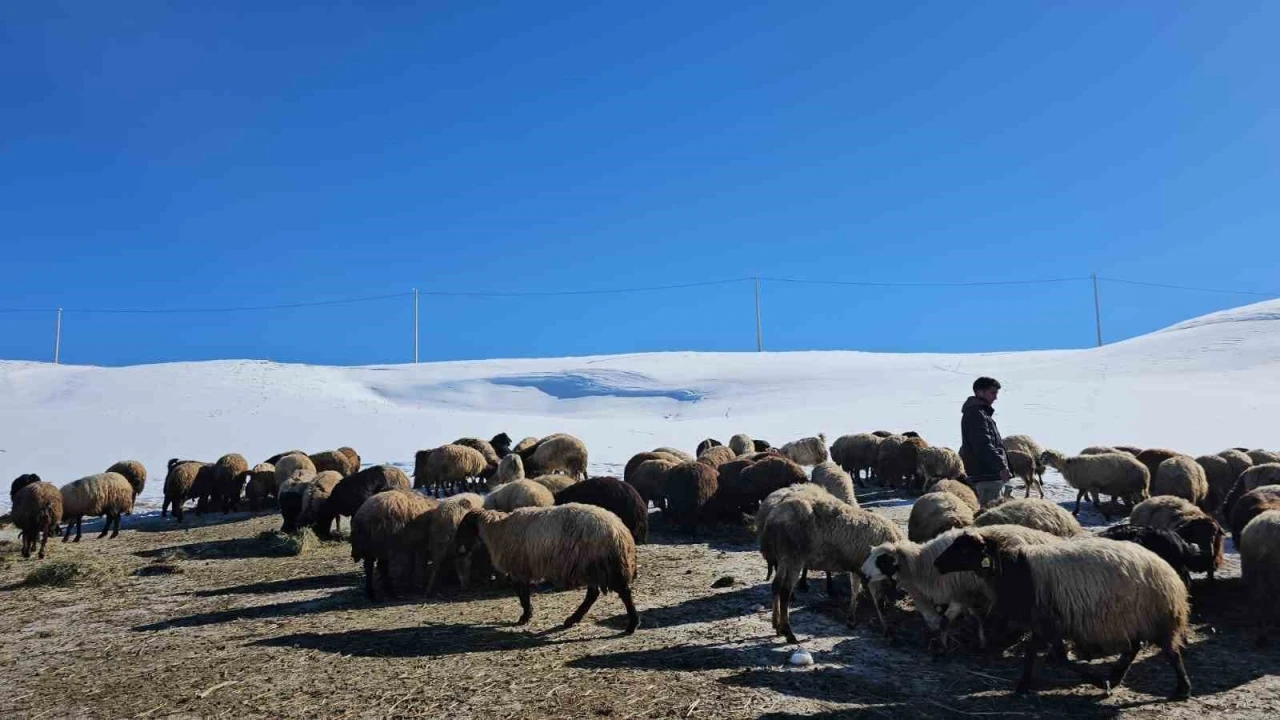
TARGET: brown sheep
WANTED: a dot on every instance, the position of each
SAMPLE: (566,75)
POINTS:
(649,478)
(378,535)
(134,472)
(108,494)
(261,485)
(717,456)
(1217,472)
(560,452)
(37,510)
(440,526)
(179,484)
(352,455)
(687,488)
(229,476)
(335,461)
(447,467)
(1250,505)
(1152,457)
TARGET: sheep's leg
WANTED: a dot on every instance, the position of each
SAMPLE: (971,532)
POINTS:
(106,526)
(1121,668)
(1079,497)
(26,544)
(66,535)
(384,572)
(804,581)
(1034,644)
(44,541)
(116,531)
(164,508)
(784,612)
(593,593)
(831,586)
(1183,690)
(432,574)
(633,617)
(523,589)
(982,631)
(368,579)
(79,528)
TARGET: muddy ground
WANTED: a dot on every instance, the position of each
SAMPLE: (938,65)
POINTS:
(210,620)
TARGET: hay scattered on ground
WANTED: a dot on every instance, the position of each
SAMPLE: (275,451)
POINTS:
(159,568)
(60,573)
(278,543)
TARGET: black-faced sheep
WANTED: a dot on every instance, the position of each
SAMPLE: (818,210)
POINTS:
(36,512)
(1192,524)
(335,461)
(501,444)
(108,494)
(134,472)
(180,484)
(717,456)
(441,526)
(1260,566)
(1152,457)
(935,513)
(960,490)
(1181,476)
(1217,472)
(558,453)
(571,546)
(1034,513)
(351,492)
(378,537)
(1171,548)
(856,454)
(686,488)
(707,443)
(518,494)
(261,485)
(1103,595)
(448,467)
(554,482)
(806,451)
(742,444)
(833,479)
(615,496)
(1116,474)
(1250,505)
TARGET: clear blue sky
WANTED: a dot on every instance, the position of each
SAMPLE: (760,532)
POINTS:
(160,156)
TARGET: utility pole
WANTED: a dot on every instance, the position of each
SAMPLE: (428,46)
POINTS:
(415,326)
(1097,310)
(759,337)
(57,337)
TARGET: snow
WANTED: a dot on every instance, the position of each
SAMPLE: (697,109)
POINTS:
(1199,386)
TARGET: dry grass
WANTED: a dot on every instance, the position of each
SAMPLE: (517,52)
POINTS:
(61,573)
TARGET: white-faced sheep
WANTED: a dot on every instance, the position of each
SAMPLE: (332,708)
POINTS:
(742,444)
(441,527)
(960,490)
(1250,505)
(1026,468)
(806,451)
(336,461)
(717,456)
(1217,472)
(571,546)
(108,494)
(938,463)
(289,465)
(510,469)
(1034,513)
(261,485)
(447,467)
(1117,474)
(351,492)
(1168,512)
(1260,566)
(809,531)
(558,453)
(686,488)
(36,512)
(834,480)
(856,454)
(1182,477)
(134,472)
(554,482)
(935,513)
(378,534)
(518,494)
(615,496)
(1104,596)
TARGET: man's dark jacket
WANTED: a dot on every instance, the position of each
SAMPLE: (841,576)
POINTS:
(981,447)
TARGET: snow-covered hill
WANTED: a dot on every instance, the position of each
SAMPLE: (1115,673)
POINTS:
(1198,386)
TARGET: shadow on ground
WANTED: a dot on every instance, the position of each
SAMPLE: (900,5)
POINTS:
(419,642)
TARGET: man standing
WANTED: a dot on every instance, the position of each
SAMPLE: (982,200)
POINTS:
(981,448)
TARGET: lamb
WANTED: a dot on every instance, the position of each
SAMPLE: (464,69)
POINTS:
(524,445)
(1026,467)
(1033,513)
(1152,457)
(832,478)
(1115,474)
(960,490)
(518,494)
(377,533)
(938,463)
(705,445)
(290,464)
(717,456)
(809,531)
(649,478)
(563,453)
(807,451)
(856,454)
(441,526)
(1179,553)
(229,480)
(1182,477)
(1217,472)
(180,483)
(935,513)
(571,546)
(36,512)
(315,494)
(1103,595)
(742,444)
(1238,461)
(615,496)
(679,455)
(501,444)
(1252,504)
(448,467)
(687,487)
(351,492)
(261,485)
(1192,524)
(1251,479)
(1263,457)
(108,494)
(336,461)
(554,482)
(510,469)
(1260,566)
(134,472)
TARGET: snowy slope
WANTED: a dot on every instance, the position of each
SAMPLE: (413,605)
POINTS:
(1199,386)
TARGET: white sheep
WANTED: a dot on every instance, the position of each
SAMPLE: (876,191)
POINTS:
(1117,474)
(935,513)
(108,494)
(806,451)
(832,478)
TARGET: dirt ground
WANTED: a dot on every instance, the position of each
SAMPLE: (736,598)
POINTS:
(209,620)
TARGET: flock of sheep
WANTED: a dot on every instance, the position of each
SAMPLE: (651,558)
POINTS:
(529,512)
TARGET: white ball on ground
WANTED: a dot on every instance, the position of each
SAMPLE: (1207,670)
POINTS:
(801,658)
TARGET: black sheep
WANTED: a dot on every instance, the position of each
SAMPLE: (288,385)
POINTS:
(501,444)
(615,496)
(1179,553)
(766,476)
(22,481)
(687,488)
(708,443)
(351,492)
(761,445)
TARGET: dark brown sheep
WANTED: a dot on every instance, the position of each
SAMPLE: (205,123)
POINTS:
(229,478)
(351,492)
(350,452)
(732,492)
(335,460)
(1251,505)
(501,444)
(615,496)
(1153,457)
(705,445)
(134,472)
(766,476)
(687,488)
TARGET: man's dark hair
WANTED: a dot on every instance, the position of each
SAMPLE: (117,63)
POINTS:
(985,383)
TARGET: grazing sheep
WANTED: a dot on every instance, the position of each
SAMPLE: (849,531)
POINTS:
(687,487)
(261,485)
(1024,443)
(108,494)
(1263,457)
(960,490)
(1217,472)
(441,527)
(180,483)
(448,467)
(276,458)
(289,498)
(935,513)
(1171,548)
(717,456)
(525,445)
(571,546)
(1103,595)
(554,482)
(765,477)
(1260,566)
(352,455)
(649,478)
(1034,513)
(807,451)
(1116,474)
(1238,461)
(1025,467)
(501,444)
(518,494)
(890,468)
(638,458)
(1152,457)
(22,481)
(134,472)
(809,531)
(835,480)
(678,455)
(615,496)
(558,453)
(314,495)
(1250,505)
(704,446)
(378,534)
(288,465)
(938,463)
(510,469)
(351,492)
(336,461)
(760,445)
(36,512)
(1192,524)
(1182,477)
(484,448)
(229,476)
(732,493)
(742,444)
(856,454)
(1253,478)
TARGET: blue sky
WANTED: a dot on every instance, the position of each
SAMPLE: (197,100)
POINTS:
(177,158)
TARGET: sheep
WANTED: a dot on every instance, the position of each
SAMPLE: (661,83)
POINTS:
(276,458)
(36,512)
(717,456)
(108,494)
(134,472)
(1260,566)
(524,445)
(377,533)
(856,453)
(765,477)
(1238,461)
(742,444)
(1182,477)
(1033,513)
(1116,474)
(289,499)
(1192,524)
(1098,450)
(705,445)
(1179,553)
(938,463)
(1152,457)
(1263,457)
(571,546)
(809,531)
(1253,478)
(1024,443)
(518,494)
(314,495)
(350,492)
(759,445)
(180,483)
(229,480)
(638,458)
(555,482)
(910,566)
(935,513)
(649,478)
(448,467)
(807,451)
(484,448)
(22,481)
(1024,467)
(1252,504)
(1129,449)
(440,526)
(510,469)
(883,433)
(563,453)
(261,485)
(835,480)
(687,487)
(731,497)
(679,455)
(1103,595)
(615,496)
(501,444)
(889,461)
(960,490)
(353,456)
(1217,472)
(289,464)
(336,461)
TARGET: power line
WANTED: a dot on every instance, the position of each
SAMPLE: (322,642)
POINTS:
(281,306)
(1187,287)
(606,291)
(876,283)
